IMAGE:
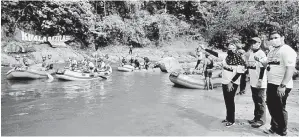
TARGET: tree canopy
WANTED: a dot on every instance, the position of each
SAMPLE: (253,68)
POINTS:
(107,22)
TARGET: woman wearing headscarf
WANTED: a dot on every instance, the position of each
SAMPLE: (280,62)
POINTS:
(233,67)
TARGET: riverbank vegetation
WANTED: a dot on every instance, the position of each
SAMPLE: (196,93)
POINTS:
(144,23)
(149,24)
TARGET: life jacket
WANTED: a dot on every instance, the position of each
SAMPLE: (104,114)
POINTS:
(211,65)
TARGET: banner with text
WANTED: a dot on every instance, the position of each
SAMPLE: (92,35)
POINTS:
(21,35)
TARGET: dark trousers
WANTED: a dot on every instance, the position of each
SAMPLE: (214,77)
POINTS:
(130,51)
(277,108)
(243,83)
(258,97)
(229,99)
(198,62)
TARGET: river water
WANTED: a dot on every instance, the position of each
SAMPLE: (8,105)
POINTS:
(140,103)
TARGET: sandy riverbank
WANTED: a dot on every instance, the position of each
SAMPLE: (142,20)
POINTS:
(184,52)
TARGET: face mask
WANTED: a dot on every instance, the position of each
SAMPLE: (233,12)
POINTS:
(276,40)
(255,50)
(255,47)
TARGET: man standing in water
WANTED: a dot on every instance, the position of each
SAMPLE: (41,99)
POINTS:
(199,56)
(208,71)
(280,66)
(258,82)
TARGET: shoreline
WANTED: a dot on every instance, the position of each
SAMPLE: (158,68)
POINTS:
(182,51)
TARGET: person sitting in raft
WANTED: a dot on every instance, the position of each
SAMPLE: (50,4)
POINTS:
(18,63)
(146,62)
(45,65)
(132,61)
(101,65)
(207,71)
(73,64)
(84,65)
(84,62)
(25,61)
(91,67)
(137,63)
(50,61)
(123,61)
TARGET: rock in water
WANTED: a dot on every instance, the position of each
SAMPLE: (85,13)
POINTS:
(170,64)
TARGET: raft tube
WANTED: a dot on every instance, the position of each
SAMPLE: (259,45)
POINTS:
(126,68)
(76,76)
(106,72)
(197,82)
(29,74)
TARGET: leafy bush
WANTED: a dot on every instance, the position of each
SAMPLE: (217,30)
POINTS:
(140,30)
(49,17)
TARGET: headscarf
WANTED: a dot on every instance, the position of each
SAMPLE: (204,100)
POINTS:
(234,59)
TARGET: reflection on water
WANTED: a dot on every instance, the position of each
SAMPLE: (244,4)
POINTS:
(121,104)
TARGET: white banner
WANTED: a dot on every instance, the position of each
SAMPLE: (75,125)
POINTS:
(21,35)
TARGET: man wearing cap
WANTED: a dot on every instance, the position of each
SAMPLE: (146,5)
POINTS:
(280,66)
(258,82)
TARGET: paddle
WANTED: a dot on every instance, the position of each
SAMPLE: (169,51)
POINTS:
(103,77)
(212,52)
(10,71)
(50,78)
(209,51)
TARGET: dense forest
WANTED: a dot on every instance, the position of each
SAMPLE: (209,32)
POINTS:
(145,23)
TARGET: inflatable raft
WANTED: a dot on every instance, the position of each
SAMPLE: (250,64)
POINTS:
(28,74)
(106,72)
(76,76)
(194,82)
(126,68)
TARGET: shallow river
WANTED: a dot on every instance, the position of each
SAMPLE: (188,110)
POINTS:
(141,103)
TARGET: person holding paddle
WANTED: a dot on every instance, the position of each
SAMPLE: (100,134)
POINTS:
(18,63)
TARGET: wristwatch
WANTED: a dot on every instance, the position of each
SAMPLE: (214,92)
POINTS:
(282,85)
